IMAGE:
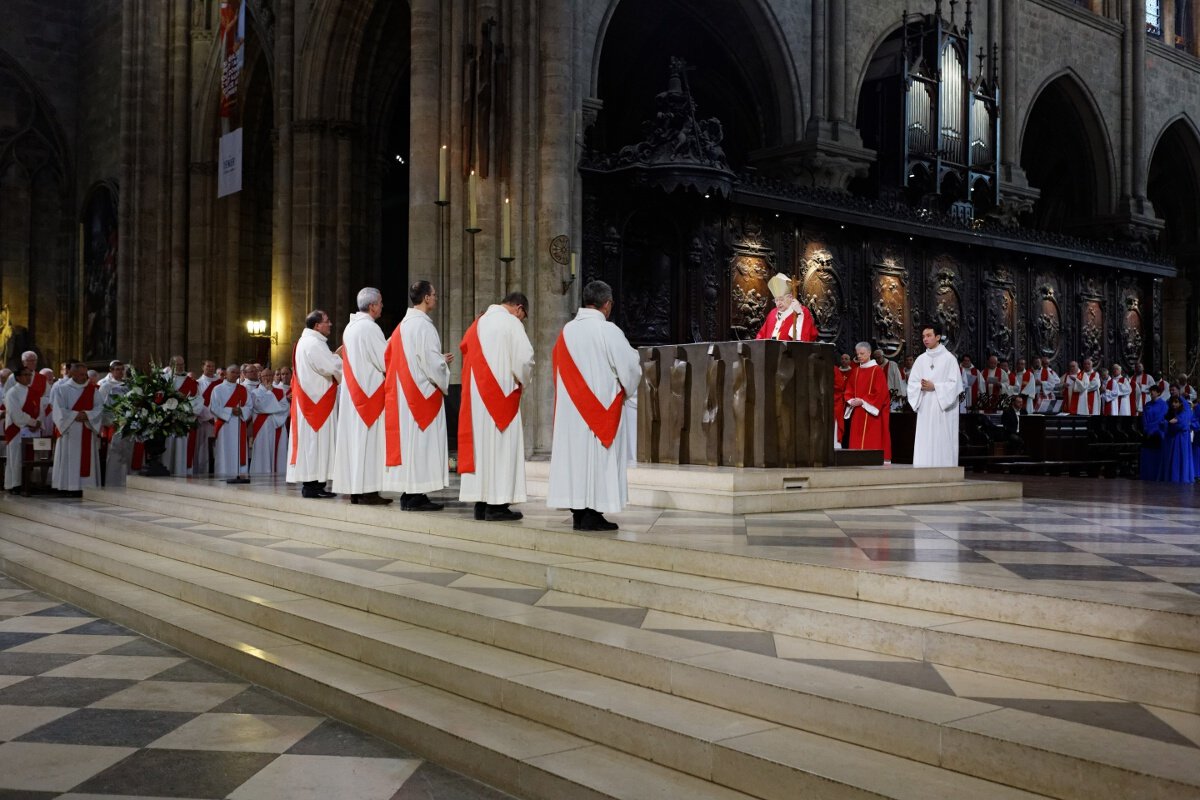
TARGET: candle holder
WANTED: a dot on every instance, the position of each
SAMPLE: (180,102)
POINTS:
(441,202)
(508,259)
(472,231)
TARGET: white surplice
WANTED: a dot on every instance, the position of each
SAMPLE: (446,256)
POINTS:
(273,413)
(936,442)
(204,431)
(358,458)
(71,450)
(227,455)
(1022,383)
(499,476)
(176,456)
(120,448)
(1086,386)
(1115,397)
(425,465)
(1140,391)
(316,370)
(583,472)
(13,416)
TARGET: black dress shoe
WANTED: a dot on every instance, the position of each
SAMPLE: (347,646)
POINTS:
(373,499)
(502,514)
(406,500)
(355,499)
(324,493)
(577,518)
(422,503)
(481,510)
(595,521)
(238,480)
(315,494)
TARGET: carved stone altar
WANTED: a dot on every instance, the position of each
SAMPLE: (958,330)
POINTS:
(737,404)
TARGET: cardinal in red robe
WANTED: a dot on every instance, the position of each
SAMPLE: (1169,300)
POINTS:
(788,321)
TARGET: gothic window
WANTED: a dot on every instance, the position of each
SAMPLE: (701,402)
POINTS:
(1154,17)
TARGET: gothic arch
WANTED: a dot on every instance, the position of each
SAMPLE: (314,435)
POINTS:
(1066,152)
(329,57)
(1173,183)
(744,73)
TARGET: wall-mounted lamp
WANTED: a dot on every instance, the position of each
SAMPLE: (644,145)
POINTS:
(257,328)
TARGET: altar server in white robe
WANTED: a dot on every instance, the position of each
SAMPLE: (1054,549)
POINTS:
(276,448)
(1082,391)
(180,456)
(120,448)
(269,413)
(595,372)
(47,413)
(19,425)
(1022,382)
(317,372)
(934,385)
(417,380)
(77,415)
(204,431)
(497,362)
(358,458)
(1115,393)
(232,413)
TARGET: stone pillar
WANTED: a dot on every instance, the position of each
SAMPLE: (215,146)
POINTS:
(557,211)
(837,62)
(126,219)
(427,134)
(817,38)
(1016,195)
(287,315)
(15,230)
(180,319)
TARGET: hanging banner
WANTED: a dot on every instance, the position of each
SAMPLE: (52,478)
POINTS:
(231,38)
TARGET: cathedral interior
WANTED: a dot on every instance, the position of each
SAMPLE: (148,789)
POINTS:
(1028,173)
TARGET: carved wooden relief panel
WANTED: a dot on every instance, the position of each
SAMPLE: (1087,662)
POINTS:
(946,306)
(821,290)
(648,270)
(751,265)
(1091,320)
(1047,320)
(890,312)
(1132,335)
(1000,310)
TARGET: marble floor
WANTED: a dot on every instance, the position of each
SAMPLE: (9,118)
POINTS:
(91,710)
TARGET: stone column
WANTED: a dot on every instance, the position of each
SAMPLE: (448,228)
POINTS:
(427,134)
(15,231)
(817,88)
(1017,197)
(287,314)
(127,103)
(1134,219)
(837,62)
(180,319)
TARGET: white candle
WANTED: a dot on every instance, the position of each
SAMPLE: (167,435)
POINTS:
(443,173)
(572,264)
(472,205)
(506,231)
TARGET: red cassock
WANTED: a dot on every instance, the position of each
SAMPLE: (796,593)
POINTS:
(840,377)
(806,326)
(868,431)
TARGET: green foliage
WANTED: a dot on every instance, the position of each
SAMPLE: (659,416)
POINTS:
(151,407)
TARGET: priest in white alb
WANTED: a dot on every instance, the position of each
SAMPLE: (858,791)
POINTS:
(181,450)
(316,373)
(204,430)
(1022,382)
(358,459)
(1115,393)
(231,410)
(595,372)
(418,377)
(934,385)
(120,448)
(77,417)
(278,445)
(497,362)
(19,425)
(270,413)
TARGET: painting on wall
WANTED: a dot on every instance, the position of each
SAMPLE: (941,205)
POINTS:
(99,230)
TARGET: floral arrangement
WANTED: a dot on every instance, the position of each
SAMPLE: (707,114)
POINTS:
(151,407)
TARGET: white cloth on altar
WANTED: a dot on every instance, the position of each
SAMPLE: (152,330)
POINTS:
(227,447)
(358,457)
(15,451)
(69,451)
(316,370)
(264,458)
(583,472)
(424,456)
(499,476)
(936,442)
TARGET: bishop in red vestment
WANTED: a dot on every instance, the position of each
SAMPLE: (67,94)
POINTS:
(868,405)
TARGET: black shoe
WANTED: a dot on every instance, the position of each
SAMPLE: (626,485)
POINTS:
(315,494)
(238,480)
(323,493)
(502,514)
(422,503)
(406,500)
(355,499)
(373,499)
(595,521)
(577,518)
(480,510)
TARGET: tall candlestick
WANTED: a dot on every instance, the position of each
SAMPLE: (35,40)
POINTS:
(443,174)
(506,231)
(472,204)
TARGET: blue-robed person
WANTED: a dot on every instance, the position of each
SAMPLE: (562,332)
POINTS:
(1154,417)
(1177,466)
(1196,441)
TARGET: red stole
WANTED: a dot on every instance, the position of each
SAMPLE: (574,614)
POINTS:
(1069,393)
(189,387)
(1087,396)
(279,394)
(87,399)
(33,398)
(502,407)
(238,398)
(208,392)
(369,407)
(315,414)
(987,374)
(424,409)
(603,421)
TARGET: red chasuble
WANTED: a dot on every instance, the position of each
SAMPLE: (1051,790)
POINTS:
(869,432)
(502,408)
(792,329)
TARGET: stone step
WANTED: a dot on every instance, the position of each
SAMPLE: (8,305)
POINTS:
(1110,617)
(506,750)
(733,750)
(957,733)
(1139,673)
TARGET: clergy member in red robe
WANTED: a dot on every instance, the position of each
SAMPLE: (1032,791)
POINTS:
(868,405)
(788,321)
(841,374)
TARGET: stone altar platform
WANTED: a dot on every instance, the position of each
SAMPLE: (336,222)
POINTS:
(761,490)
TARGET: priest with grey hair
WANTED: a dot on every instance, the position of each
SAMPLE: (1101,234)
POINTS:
(358,458)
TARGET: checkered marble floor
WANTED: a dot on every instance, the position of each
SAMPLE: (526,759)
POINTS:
(1001,536)
(89,709)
